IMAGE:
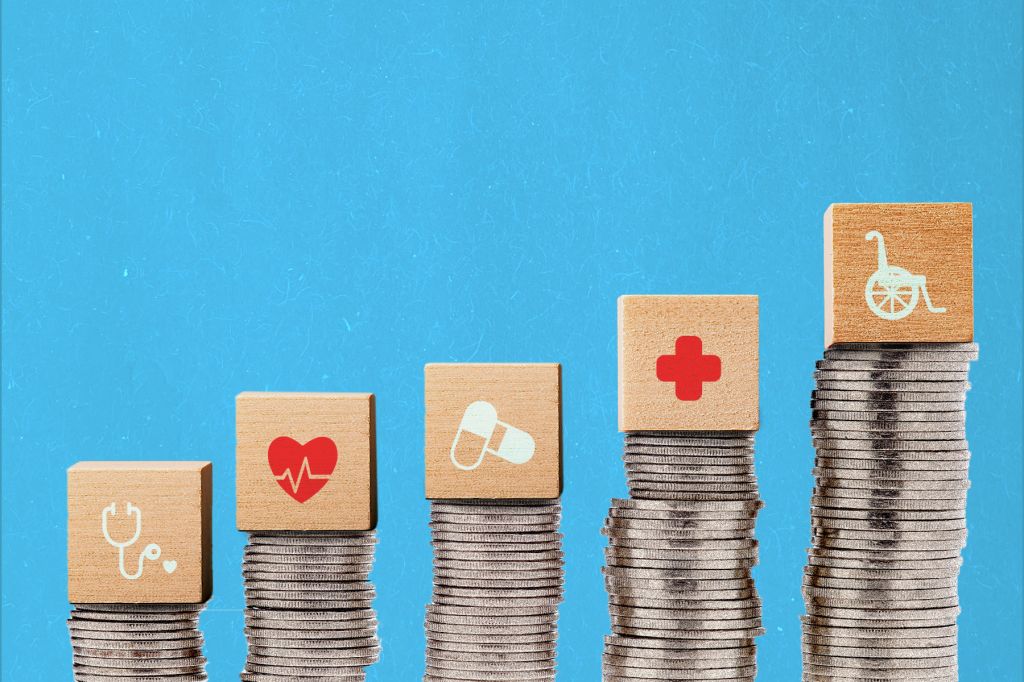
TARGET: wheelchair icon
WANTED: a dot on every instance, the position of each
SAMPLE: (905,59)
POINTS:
(891,292)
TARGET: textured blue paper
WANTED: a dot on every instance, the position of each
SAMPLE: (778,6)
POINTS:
(205,198)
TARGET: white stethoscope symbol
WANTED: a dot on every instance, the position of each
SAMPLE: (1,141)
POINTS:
(151,551)
(481,419)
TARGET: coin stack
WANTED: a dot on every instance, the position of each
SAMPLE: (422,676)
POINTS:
(308,605)
(137,642)
(680,551)
(497,585)
(888,512)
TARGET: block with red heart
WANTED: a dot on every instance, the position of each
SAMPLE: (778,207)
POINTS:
(306,461)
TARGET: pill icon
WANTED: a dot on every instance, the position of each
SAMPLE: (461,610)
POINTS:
(481,420)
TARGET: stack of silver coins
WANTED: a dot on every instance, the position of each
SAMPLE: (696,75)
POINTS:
(680,552)
(888,513)
(498,579)
(137,642)
(308,605)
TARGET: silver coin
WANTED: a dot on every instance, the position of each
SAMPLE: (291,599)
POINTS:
(684,632)
(892,515)
(703,505)
(880,503)
(918,420)
(491,507)
(670,665)
(724,439)
(684,603)
(884,645)
(307,604)
(682,534)
(874,376)
(862,385)
(893,476)
(826,573)
(613,561)
(443,528)
(665,549)
(668,653)
(674,591)
(694,524)
(680,647)
(899,525)
(867,394)
(929,366)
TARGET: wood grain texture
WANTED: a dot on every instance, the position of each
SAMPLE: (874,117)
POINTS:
(525,397)
(175,501)
(348,498)
(933,241)
(649,327)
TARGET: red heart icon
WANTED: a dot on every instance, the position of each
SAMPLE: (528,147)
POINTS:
(302,470)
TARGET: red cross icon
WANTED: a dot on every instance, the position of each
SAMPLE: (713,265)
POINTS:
(689,368)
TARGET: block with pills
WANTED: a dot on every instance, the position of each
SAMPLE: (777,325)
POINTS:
(898,273)
(306,461)
(494,477)
(139,532)
(493,430)
(688,363)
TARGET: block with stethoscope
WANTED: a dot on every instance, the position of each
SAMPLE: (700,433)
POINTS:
(493,431)
(139,532)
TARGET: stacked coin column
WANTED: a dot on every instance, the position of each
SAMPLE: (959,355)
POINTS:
(888,509)
(306,494)
(139,569)
(493,477)
(681,548)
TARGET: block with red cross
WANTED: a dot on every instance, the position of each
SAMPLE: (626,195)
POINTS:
(688,363)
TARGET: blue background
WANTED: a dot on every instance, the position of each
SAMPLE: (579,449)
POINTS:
(205,198)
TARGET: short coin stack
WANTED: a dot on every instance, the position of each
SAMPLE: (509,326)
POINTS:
(309,608)
(682,601)
(888,512)
(498,578)
(137,642)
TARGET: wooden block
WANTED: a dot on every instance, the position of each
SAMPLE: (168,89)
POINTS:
(920,253)
(306,461)
(688,363)
(139,532)
(493,431)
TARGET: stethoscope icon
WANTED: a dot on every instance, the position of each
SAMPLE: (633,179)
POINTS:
(481,420)
(151,551)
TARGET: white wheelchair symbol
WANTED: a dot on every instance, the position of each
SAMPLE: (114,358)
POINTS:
(892,292)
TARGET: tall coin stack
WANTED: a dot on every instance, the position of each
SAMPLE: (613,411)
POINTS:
(307,497)
(888,509)
(681,548)
(498,581)
(137,642)
(888,512)
(493,465)
(308,605)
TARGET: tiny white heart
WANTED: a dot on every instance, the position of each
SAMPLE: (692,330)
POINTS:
(169,566)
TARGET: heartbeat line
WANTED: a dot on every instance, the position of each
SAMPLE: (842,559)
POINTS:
(295,482)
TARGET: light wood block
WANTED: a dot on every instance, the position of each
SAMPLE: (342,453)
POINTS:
(927,264)
(306,461)
(688,363)
(139,532)
(493,431)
